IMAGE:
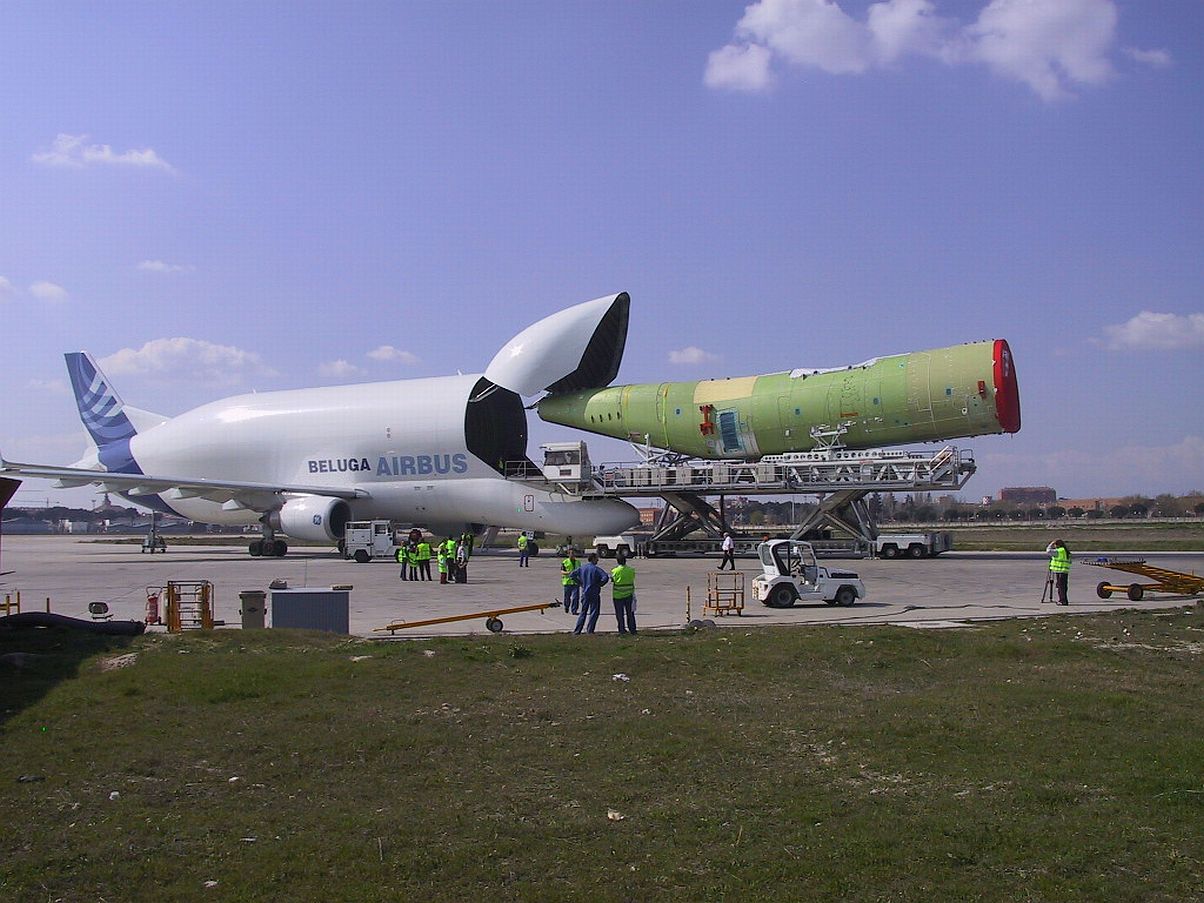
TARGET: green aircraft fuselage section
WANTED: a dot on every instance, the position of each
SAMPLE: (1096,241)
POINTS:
(945,393)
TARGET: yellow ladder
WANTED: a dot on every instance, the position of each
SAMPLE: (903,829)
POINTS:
(188,605)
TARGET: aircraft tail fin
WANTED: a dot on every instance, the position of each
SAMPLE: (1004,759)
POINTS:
(105,416)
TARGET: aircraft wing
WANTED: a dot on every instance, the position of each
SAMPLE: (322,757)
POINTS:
(232,494)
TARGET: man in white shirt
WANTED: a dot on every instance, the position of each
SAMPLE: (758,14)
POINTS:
(729,552)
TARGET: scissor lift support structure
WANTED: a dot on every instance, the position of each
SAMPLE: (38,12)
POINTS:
(841,478)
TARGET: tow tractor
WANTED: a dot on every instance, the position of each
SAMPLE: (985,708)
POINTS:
(790,573)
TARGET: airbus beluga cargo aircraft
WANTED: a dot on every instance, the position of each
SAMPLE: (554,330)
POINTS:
(303,462)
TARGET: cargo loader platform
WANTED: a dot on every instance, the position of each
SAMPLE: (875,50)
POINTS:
(841,478)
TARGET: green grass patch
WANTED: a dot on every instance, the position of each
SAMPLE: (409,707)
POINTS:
(1081,536)
(1048,759)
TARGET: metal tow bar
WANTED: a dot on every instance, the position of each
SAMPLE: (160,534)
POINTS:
(493,623)
(1165,581)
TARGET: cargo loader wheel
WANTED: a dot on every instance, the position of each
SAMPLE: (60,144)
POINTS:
(1102,591)
(846,596)
(494,625)
(1136,591)
(781,596)
(889,552)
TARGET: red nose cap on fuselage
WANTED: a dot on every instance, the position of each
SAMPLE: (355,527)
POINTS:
(1007,392)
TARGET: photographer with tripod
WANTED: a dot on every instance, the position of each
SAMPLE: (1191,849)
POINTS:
(1059,570)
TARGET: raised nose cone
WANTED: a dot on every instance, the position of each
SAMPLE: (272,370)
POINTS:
(576,348)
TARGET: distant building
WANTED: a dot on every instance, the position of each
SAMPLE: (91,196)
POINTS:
(1094,504)
(1028,495)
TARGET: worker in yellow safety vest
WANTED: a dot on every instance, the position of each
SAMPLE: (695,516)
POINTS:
(442,555)
(569,582)
(449,552)
(524,557)
(622,582)
(423,556)
(1059,568)
(403,558)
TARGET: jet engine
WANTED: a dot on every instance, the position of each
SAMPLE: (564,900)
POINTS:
(313,517)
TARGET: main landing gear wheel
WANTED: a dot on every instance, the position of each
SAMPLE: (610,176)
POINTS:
(781,596)
(267,548)
(494,625)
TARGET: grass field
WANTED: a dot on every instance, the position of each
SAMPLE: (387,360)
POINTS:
(1050,759)
(1081,536)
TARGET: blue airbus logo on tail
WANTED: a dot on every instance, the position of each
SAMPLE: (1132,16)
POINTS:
(102,412)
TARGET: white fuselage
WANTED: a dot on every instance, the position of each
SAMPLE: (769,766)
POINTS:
(402,442)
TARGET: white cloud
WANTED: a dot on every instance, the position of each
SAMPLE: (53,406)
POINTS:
(48,291)
(50,386)
(1149,331)
(6,288)
(188,359)
(741,68)
(692,355)
(340,369)
(73,151)
(162,266)
(1127,470)
(389,353)
(1158,58)
(1049,45)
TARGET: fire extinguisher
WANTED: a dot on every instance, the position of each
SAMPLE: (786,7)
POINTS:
(152,608)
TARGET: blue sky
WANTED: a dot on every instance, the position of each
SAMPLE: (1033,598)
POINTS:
(218,197)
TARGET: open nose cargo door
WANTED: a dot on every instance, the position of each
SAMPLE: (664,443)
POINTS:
(580,347)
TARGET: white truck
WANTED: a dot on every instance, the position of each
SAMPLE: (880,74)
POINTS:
(624,544)
(790,574)
(365,540)
(912,545)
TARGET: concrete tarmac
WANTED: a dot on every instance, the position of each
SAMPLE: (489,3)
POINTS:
(948,591)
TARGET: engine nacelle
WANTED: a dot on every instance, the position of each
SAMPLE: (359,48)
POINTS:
(313,517)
